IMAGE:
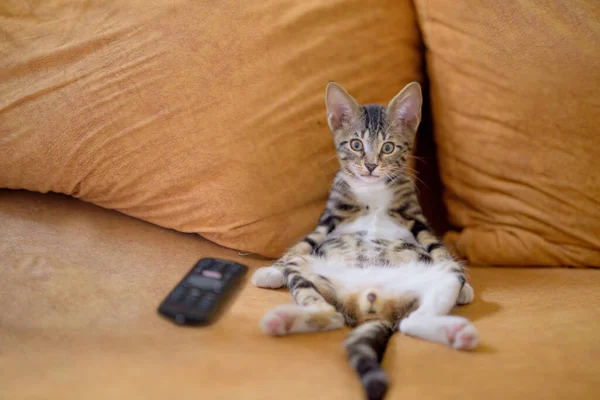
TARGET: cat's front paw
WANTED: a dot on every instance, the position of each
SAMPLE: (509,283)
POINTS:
(268,277)
(466,295)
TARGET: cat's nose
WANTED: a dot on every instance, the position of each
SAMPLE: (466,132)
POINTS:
(370,166)
(371,297)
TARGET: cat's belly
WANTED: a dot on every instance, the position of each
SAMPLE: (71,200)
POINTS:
(371,239)
(377,225)
(412,275)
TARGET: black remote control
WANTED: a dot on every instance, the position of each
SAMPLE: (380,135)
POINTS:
(200,295)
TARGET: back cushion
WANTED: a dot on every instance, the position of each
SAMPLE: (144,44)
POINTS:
(201,116)
(515,91)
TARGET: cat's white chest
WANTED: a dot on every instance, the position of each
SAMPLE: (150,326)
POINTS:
(376,196)
(377,222)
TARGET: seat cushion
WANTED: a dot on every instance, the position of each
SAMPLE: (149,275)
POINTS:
(80,288)
(514,92)
(203,116)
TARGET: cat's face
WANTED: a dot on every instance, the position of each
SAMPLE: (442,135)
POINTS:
(372,149)
(373,142)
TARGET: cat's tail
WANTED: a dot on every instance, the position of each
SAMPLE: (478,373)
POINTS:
(365,347)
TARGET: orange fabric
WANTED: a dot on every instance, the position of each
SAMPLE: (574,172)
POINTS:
(515,97)
(80,288)
(201,116)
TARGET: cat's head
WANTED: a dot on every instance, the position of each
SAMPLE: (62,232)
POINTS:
(373,142)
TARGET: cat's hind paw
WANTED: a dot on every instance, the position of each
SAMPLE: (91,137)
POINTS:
(463,336)
(454,331)
(268,277)
(288,318)
(278,321)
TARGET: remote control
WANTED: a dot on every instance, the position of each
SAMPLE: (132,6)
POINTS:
(199,296)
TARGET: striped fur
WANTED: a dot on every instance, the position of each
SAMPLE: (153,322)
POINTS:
(365,347)
(372,261)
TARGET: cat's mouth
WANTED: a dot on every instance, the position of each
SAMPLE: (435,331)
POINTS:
(370,178)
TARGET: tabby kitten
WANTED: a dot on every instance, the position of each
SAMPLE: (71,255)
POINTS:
(372,262)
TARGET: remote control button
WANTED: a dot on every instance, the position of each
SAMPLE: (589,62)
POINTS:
(202,282)
(210,297)
(208,300)
(209,273)
(205,305)
(201,265)
(195,293)
(190,301)
(177,294)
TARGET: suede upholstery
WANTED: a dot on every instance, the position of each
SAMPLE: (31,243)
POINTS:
(80,288)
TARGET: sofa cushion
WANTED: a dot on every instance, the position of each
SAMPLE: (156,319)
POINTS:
(514,91)
(203,116)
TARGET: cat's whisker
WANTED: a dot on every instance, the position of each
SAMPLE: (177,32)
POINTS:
(336,185)
(329,159)
(332,172)
(422,159)
(415,175)
(411,170)
(392,179)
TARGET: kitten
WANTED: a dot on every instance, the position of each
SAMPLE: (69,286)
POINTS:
(372,262)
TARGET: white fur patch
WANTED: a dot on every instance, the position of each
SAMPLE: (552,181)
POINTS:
(453,331)
(413,277)
(378,223)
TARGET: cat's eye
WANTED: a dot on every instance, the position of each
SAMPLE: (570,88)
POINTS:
(388,147)
(356,145)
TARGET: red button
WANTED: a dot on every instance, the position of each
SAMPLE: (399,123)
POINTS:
(212,274)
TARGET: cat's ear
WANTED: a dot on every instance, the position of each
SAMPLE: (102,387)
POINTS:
(341,107)
(404,110)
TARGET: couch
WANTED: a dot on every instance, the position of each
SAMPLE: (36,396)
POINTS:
(99,220)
